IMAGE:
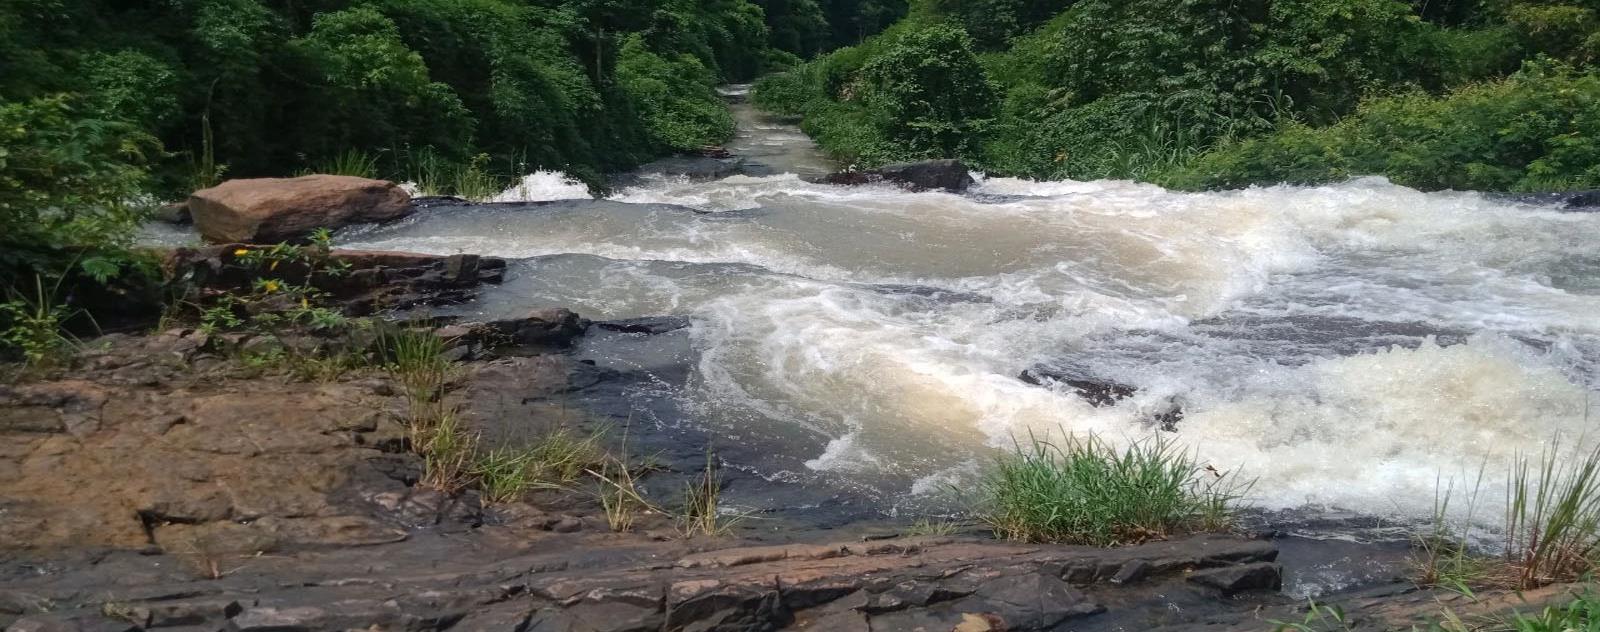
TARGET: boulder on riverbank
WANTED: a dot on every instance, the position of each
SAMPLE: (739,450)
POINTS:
(269,210)
(948,175)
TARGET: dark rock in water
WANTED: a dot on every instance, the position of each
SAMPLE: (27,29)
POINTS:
(176,213)
(696,168)
(1234,579)
(374,280)
(1098,392)
(649,325)
(553,327)
(947,174)
(435,201)
(1579,201)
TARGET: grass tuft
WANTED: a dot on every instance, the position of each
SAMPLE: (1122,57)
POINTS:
(1551,529)
(931,527)
(555,461)
(702,505)
(1085,491)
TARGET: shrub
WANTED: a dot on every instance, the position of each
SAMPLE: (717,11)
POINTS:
(1086,491)
(69,190)
(928,94)
(676,97)
(1538,130)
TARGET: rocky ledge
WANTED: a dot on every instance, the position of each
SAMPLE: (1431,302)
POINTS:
(164,481)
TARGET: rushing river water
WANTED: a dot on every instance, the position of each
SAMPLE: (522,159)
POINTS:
(1346,345)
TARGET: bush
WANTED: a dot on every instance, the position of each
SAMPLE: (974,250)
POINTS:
(928,95)
(1538,130)
(1085,491)
(69,190)
(676,97)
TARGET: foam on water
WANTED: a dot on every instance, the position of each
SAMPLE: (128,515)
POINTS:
(543,186)
(1345,344)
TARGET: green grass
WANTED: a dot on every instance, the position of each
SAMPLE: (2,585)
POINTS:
(350,162)
(1086,491)
(1580,615)
(932,527)
(1551,530)
(554,461)
(436,175)
(702,505)
(33,325)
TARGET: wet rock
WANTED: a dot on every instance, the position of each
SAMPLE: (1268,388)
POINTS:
(650,325)
(264,619)
(1035,601)
(947,174)
(553,328)
(373,280)
(1097,392)
(269,210)
(1234,579)
(711,604)
(505,617)
(177,213)
(708,166)
(1100,392)
(1131,572)
(1579,201)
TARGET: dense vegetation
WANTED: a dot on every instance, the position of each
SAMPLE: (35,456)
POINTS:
(1486,94)
(107,105)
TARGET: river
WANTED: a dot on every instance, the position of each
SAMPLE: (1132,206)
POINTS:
(1346,346)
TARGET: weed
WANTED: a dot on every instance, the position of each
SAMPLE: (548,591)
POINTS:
(931,527)
(1551,532)
(447,450)
(34,325)
(1085,491)
(472,182)
(1318,619)
(701,513)
(1580,615)
(504,474)
(350,162)
(1553,516)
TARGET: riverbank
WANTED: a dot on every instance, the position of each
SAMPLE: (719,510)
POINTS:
(165,481)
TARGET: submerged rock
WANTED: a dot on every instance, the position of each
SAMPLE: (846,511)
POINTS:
(947,174)
(269,210)
(1099,392)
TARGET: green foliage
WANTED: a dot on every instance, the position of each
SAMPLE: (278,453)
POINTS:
(676,97)
(1204,93)
(1582,614)
(1538,130)
(1085,491)
(1551,529)
(68,188)
(927,94)
(34,326)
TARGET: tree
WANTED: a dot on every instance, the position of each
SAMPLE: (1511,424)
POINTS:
(929,93)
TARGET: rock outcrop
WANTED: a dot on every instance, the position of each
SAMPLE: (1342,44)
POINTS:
(372,280)
(947,174)
(270,210)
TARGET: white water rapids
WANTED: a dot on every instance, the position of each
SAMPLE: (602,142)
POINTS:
(1345,345)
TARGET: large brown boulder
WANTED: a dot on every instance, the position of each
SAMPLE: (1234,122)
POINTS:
(268,210)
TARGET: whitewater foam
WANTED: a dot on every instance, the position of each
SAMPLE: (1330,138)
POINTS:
(1346,345)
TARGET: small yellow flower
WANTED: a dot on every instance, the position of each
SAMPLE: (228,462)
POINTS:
(241,252)
(304,304)
(270,286)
